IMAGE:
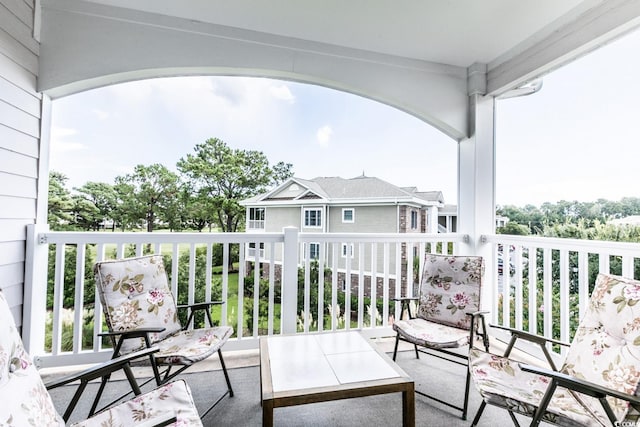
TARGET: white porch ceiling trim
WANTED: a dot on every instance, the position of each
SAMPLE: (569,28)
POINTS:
(588,27)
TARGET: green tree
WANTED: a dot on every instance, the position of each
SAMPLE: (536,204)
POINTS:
(514,228)
(198,211)
(102,197)
(226,176)
(85,214)
(147,194)
(60,204)
(126,211)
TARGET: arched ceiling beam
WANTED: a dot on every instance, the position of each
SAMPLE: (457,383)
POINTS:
(85,45)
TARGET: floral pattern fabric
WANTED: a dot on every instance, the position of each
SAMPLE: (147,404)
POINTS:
(449,289)
(165,402)
(605,351)
(25,400)
(135,294)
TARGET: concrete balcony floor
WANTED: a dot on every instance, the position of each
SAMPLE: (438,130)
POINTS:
(207,383)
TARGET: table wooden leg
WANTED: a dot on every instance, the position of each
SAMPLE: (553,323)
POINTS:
(409,407)
(267,413)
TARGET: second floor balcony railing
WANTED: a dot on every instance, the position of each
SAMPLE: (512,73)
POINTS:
(537,284)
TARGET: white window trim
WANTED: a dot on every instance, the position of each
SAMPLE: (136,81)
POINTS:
(343,251)
(353,216)
(412,212)
(304,217)
(253,222)
(304,250)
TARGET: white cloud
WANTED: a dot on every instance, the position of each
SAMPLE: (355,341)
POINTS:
(101,114)
(60,132)
(282,92)
(324,135)
(60,140)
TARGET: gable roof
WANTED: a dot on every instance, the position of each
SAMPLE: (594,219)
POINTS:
(335,190)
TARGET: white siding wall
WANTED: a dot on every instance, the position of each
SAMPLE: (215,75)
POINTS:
(20,112)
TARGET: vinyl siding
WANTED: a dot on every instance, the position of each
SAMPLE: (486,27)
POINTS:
(368,219)
(20,107)
(276,218)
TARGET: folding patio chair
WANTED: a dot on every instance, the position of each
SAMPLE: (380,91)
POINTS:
(449,291)
(597,384)
(26,401)
(141,312)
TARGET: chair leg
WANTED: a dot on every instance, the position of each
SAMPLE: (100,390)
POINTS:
(465,405)
(514,419)
(395,349)
(226,374)
(478,414)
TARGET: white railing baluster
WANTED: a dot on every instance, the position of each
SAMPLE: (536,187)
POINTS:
(361,268)
(240,307)
(321,279)
(272,275)
(385,284)
(256,290)
(532,254)
(564,295)
(547,290)
(225,284)
(374,285)
(78,306)
(58,298)
(335,310)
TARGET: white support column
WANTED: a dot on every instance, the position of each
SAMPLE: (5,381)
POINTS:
(289,308)
(476,181)
(432,219)
(34,307)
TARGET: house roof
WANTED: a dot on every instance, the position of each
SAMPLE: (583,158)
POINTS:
(335,190)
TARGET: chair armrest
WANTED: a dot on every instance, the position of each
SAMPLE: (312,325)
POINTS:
(536,339)
(580,385)
(201,305)
(532,338)
(404,301)
(132,333)
(102,369)
(478,322)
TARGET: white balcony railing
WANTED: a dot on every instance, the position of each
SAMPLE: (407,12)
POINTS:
(65,313)
(537,284)
(542,285)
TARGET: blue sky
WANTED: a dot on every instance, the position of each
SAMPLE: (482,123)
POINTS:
(574,140)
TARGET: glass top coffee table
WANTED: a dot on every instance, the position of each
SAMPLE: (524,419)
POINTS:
(301,369)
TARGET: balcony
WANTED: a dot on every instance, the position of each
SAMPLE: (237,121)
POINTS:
(544,290)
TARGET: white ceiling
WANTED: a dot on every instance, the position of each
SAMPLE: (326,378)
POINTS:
(455,32)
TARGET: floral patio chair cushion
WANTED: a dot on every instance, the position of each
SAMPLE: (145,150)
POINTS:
(449,289)
(173,399)
(605,351)
(135,294)
(25,400)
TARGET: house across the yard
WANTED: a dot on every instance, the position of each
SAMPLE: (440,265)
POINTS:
(357,205)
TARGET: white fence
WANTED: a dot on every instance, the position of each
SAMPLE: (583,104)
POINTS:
(355,293)
(537,284)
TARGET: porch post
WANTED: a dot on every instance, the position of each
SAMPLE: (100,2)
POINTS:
(289,307)
(476,177)
(34,308)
